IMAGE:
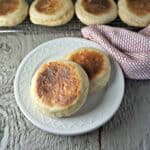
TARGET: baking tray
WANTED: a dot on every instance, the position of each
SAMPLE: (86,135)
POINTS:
(73,25)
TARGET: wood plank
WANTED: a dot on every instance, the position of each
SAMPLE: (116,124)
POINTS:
(16,132)
(130,127)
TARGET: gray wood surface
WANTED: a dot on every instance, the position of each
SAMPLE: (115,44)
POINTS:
(129,129)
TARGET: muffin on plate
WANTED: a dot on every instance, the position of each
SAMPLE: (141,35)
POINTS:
(12,12)
(135,12)
(96,64)
(94,12)
(59,88)
(51,12)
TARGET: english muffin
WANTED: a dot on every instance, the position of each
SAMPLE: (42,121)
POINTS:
(96,64)
(135,12)
(51,12)
(59,88)
(12,12)
(92,12)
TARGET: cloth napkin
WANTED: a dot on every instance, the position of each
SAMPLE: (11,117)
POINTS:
(130,49)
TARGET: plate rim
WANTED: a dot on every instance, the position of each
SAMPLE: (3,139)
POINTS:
(34,122)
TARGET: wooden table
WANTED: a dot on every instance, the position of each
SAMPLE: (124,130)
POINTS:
(129,129)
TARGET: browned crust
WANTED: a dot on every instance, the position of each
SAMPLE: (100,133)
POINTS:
(96,7)
(139,7)
(58,84)
(8,6)
(91,61)
(48,6)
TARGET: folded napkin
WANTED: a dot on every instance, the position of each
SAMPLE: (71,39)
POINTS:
(130,49)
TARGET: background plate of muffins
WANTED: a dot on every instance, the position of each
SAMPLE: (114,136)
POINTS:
(69,86)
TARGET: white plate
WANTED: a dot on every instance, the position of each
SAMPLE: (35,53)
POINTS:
(99,107)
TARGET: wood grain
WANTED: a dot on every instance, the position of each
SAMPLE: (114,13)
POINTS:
(16,132)
(130,127)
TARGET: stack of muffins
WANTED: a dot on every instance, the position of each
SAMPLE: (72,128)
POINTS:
(60,88)
(59,12)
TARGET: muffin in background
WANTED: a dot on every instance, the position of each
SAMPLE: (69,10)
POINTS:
(51,12)
(12,12)
(135,12)
(92,12)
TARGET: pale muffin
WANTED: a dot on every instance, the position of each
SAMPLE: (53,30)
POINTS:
(94,12)
(51,12)
(135,12)
(59,88)
(12,12)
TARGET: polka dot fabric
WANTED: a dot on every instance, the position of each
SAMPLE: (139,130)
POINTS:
(130,49)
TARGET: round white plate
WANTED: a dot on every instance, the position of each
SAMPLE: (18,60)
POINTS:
(99,108)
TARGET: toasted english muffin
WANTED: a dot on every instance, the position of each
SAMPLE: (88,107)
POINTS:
(12,12)
(135,12)
(51,12)
(59,88)
(95,63)
(92,12)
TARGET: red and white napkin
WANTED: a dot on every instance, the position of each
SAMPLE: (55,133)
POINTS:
(130,49)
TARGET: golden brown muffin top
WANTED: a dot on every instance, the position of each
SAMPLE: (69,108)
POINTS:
(92,61)
(96,6)
(58,84)
(139,7)
(8,6)
(48,6)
